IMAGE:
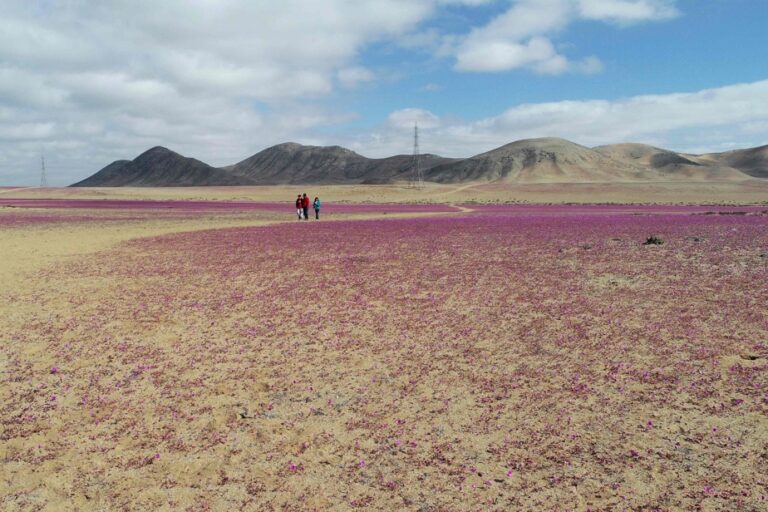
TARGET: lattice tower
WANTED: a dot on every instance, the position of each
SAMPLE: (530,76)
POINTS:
(417,178)
(43,177)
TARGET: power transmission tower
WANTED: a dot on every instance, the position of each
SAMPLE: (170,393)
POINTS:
(417,180)
(43,178)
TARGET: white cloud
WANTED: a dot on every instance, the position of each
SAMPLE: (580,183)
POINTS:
(408,117)
(431,87)
(588,66)
(500,55)
(521,36)
(90,82)
(627,11)
(694,122)
(26,131)
(352,77)
(473,3)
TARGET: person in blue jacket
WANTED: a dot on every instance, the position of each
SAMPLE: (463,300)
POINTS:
(316,206)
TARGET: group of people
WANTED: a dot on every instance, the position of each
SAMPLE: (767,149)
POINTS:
(302,206)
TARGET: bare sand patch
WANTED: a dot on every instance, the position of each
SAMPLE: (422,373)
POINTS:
(25,251)
(688,192)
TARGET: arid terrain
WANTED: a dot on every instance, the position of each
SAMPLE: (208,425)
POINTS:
(416,349)
(530,161)
(751,191)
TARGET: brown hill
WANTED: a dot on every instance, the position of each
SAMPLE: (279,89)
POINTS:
(663,165)
(752,161)
(547,160)
(538,161)
(643,155)
(161,167)
(292,163)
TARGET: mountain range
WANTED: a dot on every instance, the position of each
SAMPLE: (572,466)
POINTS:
(547,160)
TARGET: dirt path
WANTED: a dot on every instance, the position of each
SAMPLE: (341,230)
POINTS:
(451,192)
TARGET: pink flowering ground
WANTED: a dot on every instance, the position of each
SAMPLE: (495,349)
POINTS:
(217,206)
(30,212)
(507,358)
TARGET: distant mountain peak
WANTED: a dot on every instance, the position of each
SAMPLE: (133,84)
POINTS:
(294,147)
(161,167)
(753,161)
(288,146)
(296,163)
(536,160)
(158,150)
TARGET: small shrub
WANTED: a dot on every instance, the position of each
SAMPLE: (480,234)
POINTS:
(653,240)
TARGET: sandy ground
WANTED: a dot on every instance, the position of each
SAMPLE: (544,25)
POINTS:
(746,192)
(454,362)
(23,252)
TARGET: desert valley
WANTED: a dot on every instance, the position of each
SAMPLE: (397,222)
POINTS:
(545,160)
(383,255)
(505,342)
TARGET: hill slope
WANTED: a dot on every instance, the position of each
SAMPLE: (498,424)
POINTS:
(292,163)
(752,161)
(161,167)
(664,165)
(642,154)
(546,160)
(538,161)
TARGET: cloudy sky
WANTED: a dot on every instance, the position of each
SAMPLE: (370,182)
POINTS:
(87,82)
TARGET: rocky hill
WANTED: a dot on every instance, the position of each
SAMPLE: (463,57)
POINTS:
(538,161)
(753,161)
(552,160)
(292,163)
(664,165)
(547,160)
(161,167)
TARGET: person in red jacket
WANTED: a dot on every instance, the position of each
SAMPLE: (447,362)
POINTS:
(299,206)
(305,205)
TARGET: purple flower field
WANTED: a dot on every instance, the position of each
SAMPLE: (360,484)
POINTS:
(23,213)
(205,206)
(506,358)
(616,209)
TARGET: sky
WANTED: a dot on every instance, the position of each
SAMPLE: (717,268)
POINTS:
(89,82)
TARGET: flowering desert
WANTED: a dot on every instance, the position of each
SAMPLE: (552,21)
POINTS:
(437,357)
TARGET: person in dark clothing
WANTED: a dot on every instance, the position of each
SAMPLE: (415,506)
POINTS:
(299,206)
(305,205)
(316,206)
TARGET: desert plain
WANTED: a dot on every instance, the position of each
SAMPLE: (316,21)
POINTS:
(470,347)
